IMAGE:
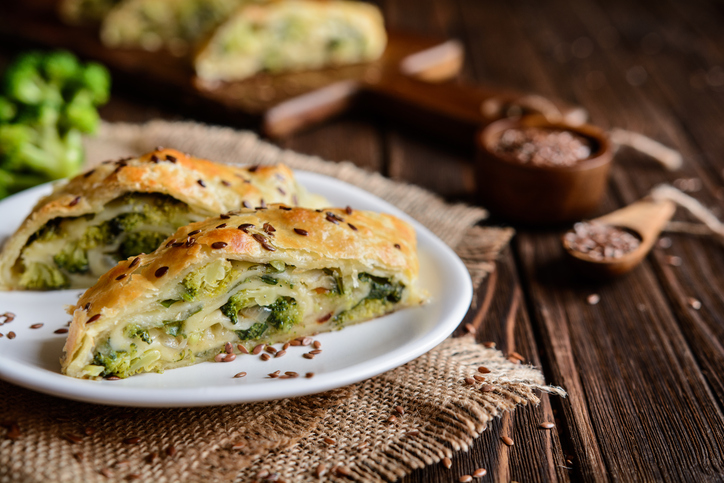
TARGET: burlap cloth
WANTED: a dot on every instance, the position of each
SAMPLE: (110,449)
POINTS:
(51,439)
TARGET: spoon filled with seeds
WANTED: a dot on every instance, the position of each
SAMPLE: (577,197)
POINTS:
(614,244)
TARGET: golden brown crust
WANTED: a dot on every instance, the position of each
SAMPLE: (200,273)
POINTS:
(376,243)
(208,188)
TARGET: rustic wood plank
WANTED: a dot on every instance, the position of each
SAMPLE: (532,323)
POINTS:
(537,455)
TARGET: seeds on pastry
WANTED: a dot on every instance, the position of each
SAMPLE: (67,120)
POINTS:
(301,231)
(239,375)
(224,216)
(246,204)
(62,330)
(285,208)
(170,158)
(201,183)
(94,318)
(397,245)
(87,175)
(252,169)
(36,326)
(178,244)
(154,158)
(245,227)
(190,242)
(263,242)
(223,225)
(352,226)
(195,232)
(348,210)
(161,272)
(225,183)
(75,201)
(121,276)
(269,229)
(170,242)
(280,190)
(218,245)
(262,204)
(135,262)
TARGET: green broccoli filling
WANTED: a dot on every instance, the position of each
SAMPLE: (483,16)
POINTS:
(285,314)
(382,288)
(135,331)
(208,281)
(233,306)
(253,332)
(383,292)
(161,211)
(116,363)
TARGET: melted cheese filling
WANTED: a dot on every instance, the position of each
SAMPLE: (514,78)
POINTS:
(76,251)
(277,305)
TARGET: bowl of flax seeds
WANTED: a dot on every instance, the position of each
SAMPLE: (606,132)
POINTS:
(535,171)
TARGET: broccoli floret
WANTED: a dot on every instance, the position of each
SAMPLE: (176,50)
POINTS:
(168,302)
(233,306)
(97,235)
(253,332)
(285,314)
(41,276)
(268,279)
(135,331)
(173,328)
(382,288)
(140,242)
(72,258)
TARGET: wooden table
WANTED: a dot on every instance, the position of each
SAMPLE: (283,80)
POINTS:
(643,369)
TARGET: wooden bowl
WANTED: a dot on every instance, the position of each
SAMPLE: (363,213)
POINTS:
(541,194)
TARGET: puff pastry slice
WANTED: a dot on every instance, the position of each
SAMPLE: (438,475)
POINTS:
(123,208)
(261,276)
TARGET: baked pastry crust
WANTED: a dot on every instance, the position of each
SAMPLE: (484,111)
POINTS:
(206,187)
(345,240)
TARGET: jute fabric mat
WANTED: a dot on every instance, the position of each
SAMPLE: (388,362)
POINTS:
(51,439)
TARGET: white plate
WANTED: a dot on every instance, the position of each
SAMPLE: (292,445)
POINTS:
(351,355)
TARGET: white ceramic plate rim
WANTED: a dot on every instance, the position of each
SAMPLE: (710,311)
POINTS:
(457,298)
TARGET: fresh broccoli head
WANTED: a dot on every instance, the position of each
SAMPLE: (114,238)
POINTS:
(47,100)
(141,242)
(41,276)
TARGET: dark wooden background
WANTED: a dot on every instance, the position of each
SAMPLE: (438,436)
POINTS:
(644,371)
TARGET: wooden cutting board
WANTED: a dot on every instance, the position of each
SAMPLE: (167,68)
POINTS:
(406,83)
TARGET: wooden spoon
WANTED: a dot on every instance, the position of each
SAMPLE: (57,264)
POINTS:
(645,218)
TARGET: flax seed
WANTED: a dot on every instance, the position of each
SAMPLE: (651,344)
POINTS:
(329,441)
(489,345)
(223,225)
(593,299)
(480,472)
(342,471)
(469,381)
(470,328)
(11,335)
(546,425)
(285,346)
(483,370)
(513,360)
(121,276)
(309,375)
(517,356)
(201,183)
(265,357)
(673,260)
(316,352)
(73,438)
(465,479)
(308,356)
(229,348)
(693,303)
(257,349)
(242,348)
(400,410)
(93,319)
(274,374)
(281,353)
(397,245)
(507,440)
(171,158)
(306,341)
(89,431)
(133,476)
(171,451)
(447,463)
(240,374)
(238,446)
(354,228)
(230,358)
(321,470)
(152,457)
(413,434)
(291,374)
(195,232)
(479,378)
(132,440)
(218,245)
(13,432)
(135,262)
(392,419)
(487,388)
(270,349)
(75,201)
(161,272)
(36,326)
(316,344)
(219,357)
(79,456)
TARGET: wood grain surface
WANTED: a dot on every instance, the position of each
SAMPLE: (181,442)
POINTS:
(643,369)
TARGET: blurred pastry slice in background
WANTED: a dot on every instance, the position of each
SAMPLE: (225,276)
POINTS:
(175,25)
(291,35)
(85,12)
